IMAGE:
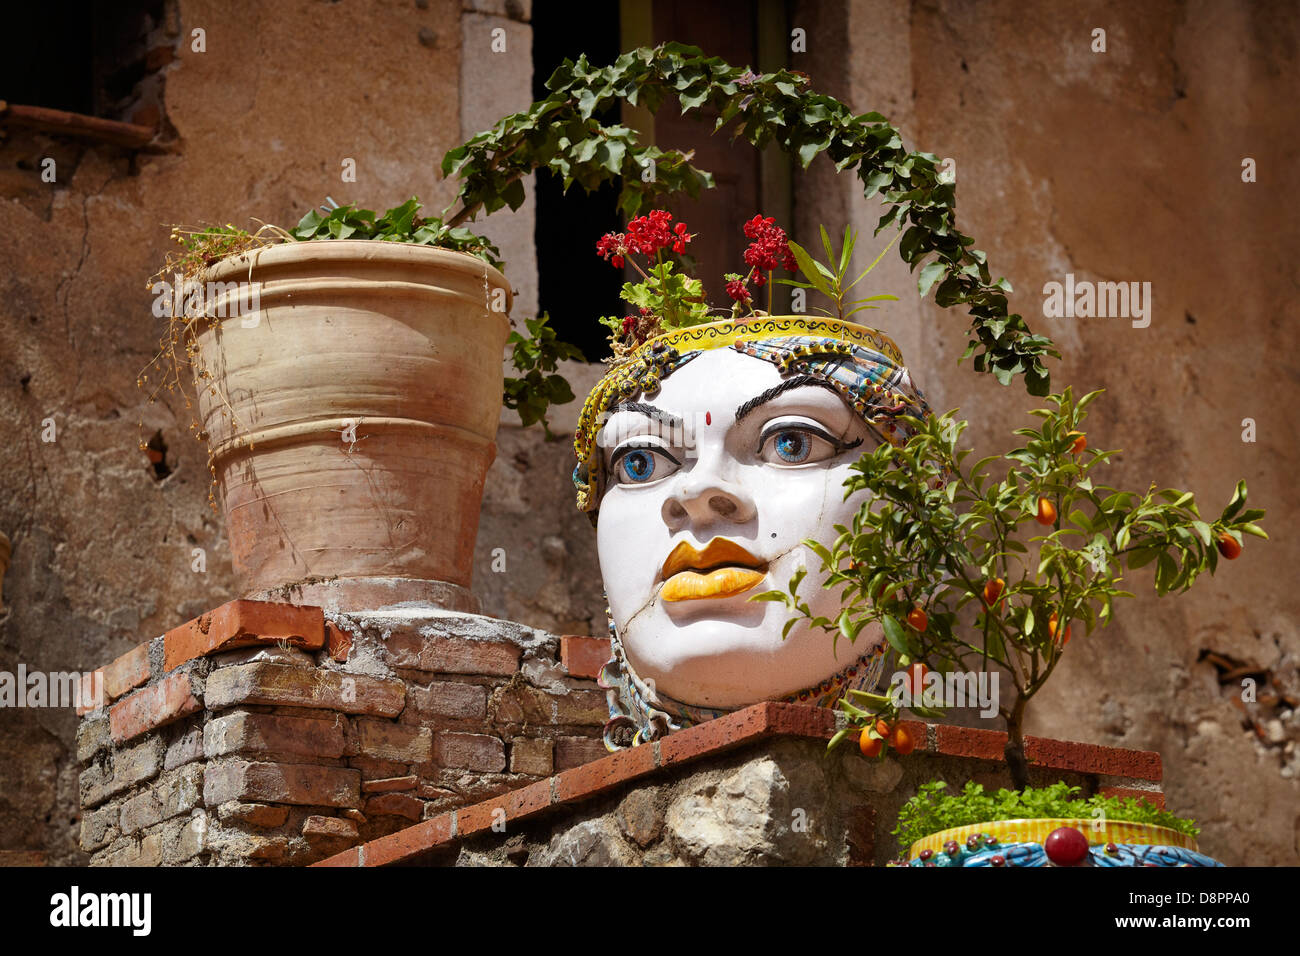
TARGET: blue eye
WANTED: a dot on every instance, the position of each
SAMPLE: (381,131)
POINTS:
(787,443)
(793,446)
(642,464)
(638,465)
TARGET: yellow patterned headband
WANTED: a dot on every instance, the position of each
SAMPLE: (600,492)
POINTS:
(862,364)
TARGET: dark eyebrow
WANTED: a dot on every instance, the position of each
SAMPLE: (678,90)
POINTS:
(797,382)
(650,411)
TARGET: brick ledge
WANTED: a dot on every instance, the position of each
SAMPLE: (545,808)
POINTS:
(751,725)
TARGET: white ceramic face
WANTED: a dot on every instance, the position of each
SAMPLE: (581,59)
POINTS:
(706,505)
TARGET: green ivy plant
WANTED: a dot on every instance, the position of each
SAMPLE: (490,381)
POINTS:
(560,134)
(400,224)
(537,356)
(932,810)
(967,570)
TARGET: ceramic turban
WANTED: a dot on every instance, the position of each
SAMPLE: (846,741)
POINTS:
(863,365)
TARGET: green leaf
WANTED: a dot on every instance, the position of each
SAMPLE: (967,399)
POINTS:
(894,633)
(808,266)
(929,275)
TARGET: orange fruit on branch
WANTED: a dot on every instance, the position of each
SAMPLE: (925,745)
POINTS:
(902,741)
(916,680)
(993,592)
(1046,512)
(1229,546)
(918,619)
(1080,442)
(870,746)
(1051,629)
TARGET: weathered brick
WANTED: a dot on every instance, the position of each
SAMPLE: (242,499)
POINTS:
(186,748)
(99,827)
(339,641)
(451,699)
(970,742)
(146,851)
(269,653)
(598,776)
(175,792)
(404,843)
(1093,758)
(372,768)
(319,827)
(185,839)
(127,672)
(124,769)
(448,655)
(471,752)
(584,656)
(240,623)
(282,685)
(92,736)
(242,732)
(142,810)
(298,784)
(272,850)
(391,784)
(533,755)
(575,751)
(395,805)
(171,698)
(399,742)
(524,704)
(255,814)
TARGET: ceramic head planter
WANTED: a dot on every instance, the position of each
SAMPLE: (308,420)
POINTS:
(705,460)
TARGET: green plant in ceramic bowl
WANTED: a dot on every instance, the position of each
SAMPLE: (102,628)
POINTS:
(1039,826)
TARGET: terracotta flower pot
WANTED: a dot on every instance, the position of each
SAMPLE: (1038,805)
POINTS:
(1024,843)
(351,417)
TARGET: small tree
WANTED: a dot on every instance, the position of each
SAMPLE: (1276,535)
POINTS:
(941,560)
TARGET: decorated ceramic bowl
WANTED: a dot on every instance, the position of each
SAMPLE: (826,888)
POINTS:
(1058,842)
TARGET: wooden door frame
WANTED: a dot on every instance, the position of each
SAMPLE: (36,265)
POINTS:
(776,171)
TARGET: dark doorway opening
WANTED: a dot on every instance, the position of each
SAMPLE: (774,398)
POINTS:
(574,286)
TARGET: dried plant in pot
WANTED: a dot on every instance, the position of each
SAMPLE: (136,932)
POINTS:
(349,381)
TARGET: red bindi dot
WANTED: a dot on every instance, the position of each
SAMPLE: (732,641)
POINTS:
(708,418)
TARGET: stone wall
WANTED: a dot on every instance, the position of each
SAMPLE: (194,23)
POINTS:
(265,733)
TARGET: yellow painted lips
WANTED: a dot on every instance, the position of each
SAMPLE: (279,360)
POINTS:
(722,569)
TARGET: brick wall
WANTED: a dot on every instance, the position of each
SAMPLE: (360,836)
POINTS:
(270,733)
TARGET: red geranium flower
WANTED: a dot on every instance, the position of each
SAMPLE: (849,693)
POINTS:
(770,248)
(737,289)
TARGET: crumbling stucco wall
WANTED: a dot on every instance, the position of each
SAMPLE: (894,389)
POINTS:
(265,117)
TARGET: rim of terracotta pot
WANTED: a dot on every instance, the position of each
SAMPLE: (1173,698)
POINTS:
(283,254)
(1036,831)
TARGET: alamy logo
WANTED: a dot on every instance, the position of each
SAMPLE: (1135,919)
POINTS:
(51,689)
(218,300)
(954,689)
(73,909)
(1103,300)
